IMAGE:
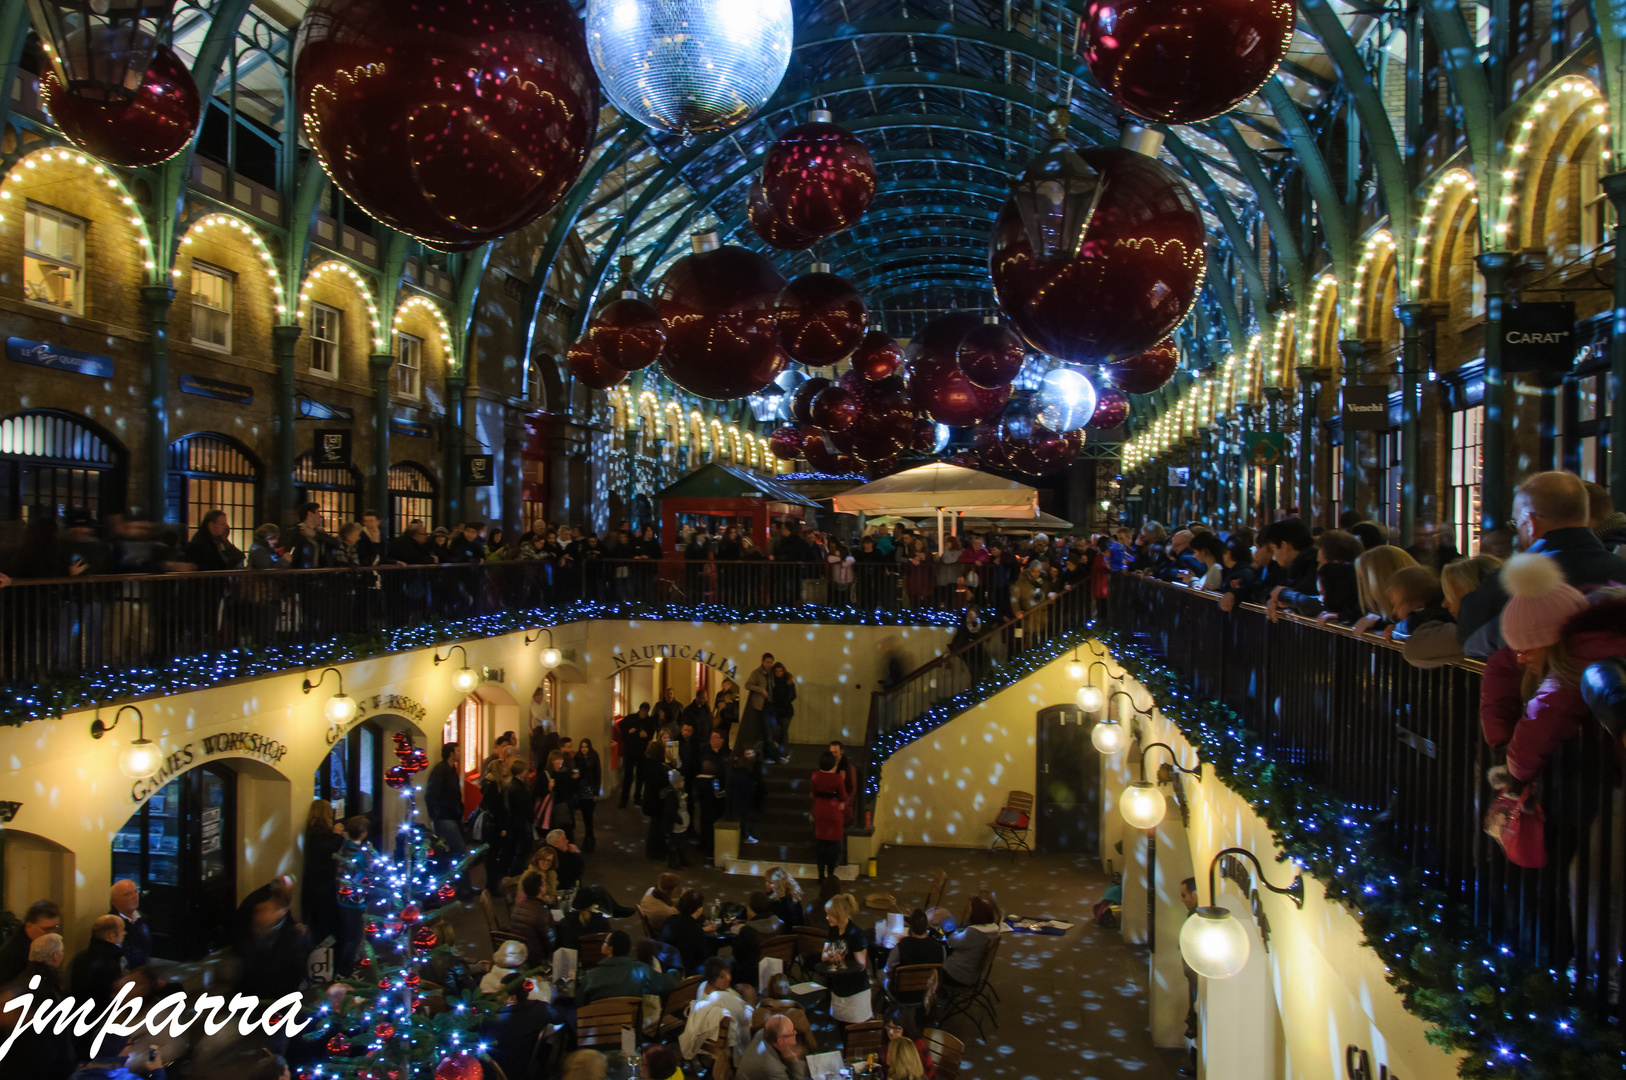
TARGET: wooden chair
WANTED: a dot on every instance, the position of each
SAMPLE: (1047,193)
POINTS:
(914,986)
(809,947)
(857,1040)
(718,1050)
(674,1012)
(589,951)
(497,925)
(649,931)
(962,999)
(1012,824)
(779,947)
(600,1023)
(947,1053)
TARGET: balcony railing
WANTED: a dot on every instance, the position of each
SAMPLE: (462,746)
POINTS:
(1402,747)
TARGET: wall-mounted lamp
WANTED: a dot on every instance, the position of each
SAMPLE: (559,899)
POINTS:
(1143,805)
(1075,668)
(465,678)
(341,707)
(550,656)
(1090,697)
(1108,735)
(141,758)
(1212,941)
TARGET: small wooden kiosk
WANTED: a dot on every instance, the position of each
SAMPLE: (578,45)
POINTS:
(717,496)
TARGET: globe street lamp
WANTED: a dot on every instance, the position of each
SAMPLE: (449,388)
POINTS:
(1143,804)
(1213,942)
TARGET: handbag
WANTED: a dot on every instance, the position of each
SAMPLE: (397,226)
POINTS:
(1519,825)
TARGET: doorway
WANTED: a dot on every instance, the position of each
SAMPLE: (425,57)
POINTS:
(175,849)
(351,775)
(1068,810)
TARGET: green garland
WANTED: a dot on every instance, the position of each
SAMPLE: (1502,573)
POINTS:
(1510,1018)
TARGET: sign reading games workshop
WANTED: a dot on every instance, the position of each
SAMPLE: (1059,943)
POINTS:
(238,743)
(646,655)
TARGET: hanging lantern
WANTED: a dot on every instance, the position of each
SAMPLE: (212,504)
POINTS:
(152,127)
(100,50)
(1108,737)
(722,339)
(453,123)
(690,66)
(1057,195)
(1147,372)
(822,318)
(818,178)
(1143,805)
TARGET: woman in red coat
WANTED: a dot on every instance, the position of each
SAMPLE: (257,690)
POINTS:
(830,799)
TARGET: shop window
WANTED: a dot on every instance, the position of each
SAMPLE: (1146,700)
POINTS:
(535,393)
(1583,419)
(534,515)
(1389,471)
(211,307)
(1337,484)
(467,727)
(349,777)
(408,366)
(1467,427)
(335,490)
(326,325)
(51,462)
(1597,213)
(412,497)
(53,258)
(213,472)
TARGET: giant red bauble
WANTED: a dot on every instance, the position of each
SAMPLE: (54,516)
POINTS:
(722,339)
(835,410)
(459,1066)
(878,355)
(822,319)
(589,367)
(628,334)
(819,453)
(1134,279)
(870,438)
(766,224)
(922,434)
(1146,372)
(818,179)
(937,386)
(1181,61)
(1111,409)
(453,123)
(154,127)
(990,355)
(785,443)
(801,402)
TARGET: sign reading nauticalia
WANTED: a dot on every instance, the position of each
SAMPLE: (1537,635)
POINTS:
(643,656)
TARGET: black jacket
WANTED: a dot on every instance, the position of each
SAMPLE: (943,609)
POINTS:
(204,553)
(38,1056)
(444,796)
(275,963)
(137,947)
(591,779)
(514,1034)
(404,549)
(684,934)
(1577,551)
(95,970)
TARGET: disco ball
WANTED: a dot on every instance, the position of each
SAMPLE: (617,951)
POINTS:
(1066,400)
(689,66)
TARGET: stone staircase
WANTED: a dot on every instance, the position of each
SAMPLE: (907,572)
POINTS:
(783,829)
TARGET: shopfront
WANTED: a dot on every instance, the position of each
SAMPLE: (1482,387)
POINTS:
(351,776)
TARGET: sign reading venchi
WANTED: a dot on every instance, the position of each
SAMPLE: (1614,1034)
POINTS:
(644,655)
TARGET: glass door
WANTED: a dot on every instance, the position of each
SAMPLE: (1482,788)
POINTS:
(348,777)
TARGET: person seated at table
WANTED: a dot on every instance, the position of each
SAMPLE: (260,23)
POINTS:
(760,923)
(686,932)
(903,1061)
(917,947)
(844,968)
(779,1001)
(510,958)
(446,967)
(719,997)
(904,1023)
(511,1036)
(544,862)
(532,918)
(786,892)
(774,1054)
(619,975)
(968,945)
(584,1065)
(569,873)
(659,1062)
(585,918)
(660,902)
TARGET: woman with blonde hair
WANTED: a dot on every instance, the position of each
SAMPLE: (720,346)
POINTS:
(786,893)
(318,890)
(903,1061)
(845,961)
(1372,573)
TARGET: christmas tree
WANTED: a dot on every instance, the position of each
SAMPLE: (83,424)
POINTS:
(387,1028)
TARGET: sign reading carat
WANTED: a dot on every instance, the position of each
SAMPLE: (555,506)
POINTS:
(1539,337)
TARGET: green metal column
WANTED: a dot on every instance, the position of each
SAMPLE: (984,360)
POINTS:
(1273,423)
(378,487)
(453,440)
(1494,495)
(1614,185)
(1354,354)
(283,340)
(1309,414)
(1415,317)
(157,299)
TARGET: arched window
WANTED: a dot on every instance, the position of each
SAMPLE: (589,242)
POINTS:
(412,497)
(52,461)
(536,392)
(214,472)
(334,489)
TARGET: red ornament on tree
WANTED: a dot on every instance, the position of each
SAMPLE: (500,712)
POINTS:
(1147,372)
(819,178)
(785,443)
(384,1029)
(766,224)
(628,334)
(447,892)
(1134,279)
(722,339)
(835,410)
(154,127)
(455,123)
(589,367)
(460,1066)
(1181,63)
(878,356)
(991,356)
(412,978)
(397,777)
(423,939)
(338,1045)
(1111,409)
(411,914)
(822,319)
(801,402)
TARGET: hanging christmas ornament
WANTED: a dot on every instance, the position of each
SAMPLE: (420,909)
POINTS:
(1147,372)
(990,355)
(447,891)
(822,318)
(338,1045)
(384,1029)
(589,367)
(628,334)
(1138,268)
(820,454)
(411,913)
(801,403)
(923,435)
(766,224)
(818,178)
(871,438)
(835,410)
(690,66)
(453,123)
(1111,409)
(100,49)
(722,341)
(937,386)
(153,126)
(423,939)
(1185,62)
(878,356)
(785,443)
(397,777)
(459,1066)
(1065,399)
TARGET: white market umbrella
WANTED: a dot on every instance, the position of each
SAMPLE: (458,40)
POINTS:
(1045,523)
(940,488)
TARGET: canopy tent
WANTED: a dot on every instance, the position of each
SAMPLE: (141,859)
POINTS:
(1044,523)
(940,488)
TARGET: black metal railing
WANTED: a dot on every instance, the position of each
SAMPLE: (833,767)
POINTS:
(1402,745)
